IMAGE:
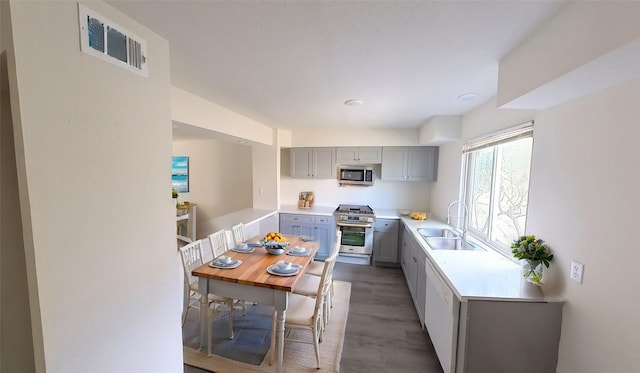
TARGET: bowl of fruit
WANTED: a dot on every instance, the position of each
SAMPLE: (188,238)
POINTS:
(418,215)
(275,243)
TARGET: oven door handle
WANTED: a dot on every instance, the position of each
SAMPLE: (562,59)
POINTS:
(340,224)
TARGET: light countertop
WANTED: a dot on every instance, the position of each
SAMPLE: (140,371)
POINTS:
(480,274)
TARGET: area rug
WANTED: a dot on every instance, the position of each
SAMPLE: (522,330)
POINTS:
(298,357)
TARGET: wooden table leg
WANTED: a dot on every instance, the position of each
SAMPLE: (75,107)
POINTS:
(280,304)
(204,315)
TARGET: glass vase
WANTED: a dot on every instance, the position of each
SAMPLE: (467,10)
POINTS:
(532,270)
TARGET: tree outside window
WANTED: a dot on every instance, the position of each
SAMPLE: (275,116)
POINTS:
(496,188)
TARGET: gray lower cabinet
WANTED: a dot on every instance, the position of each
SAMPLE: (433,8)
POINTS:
(385,241)
(324,232)
(503,336)
(313,163)
(409,163)
(412,261)
(321,228)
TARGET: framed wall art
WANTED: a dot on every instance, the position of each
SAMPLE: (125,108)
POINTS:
(180,173)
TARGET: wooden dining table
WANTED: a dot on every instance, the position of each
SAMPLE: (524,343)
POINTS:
(250,281)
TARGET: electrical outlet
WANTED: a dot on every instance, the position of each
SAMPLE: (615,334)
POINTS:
(576,272)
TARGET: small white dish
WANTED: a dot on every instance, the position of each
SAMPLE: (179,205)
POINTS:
(245,249)
(234,264)
(295,269)
(284,265)
(298,251)
(223,259)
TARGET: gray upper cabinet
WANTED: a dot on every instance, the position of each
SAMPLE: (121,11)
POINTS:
(409,163)
(359,155)
(313,163)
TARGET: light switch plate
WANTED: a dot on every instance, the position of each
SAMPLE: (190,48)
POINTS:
(577,270)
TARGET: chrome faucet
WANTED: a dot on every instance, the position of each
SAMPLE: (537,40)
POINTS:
(458,217)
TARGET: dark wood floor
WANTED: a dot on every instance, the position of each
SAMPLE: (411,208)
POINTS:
(383,330)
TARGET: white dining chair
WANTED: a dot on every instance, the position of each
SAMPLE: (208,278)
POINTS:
(308,284)
(218,243)
(192,257)
(219,246)
(306,313)
(238,234)
(316,267)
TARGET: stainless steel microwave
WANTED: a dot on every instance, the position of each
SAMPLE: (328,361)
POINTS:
(355,175)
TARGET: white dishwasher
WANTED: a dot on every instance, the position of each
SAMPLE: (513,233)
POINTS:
(442,312)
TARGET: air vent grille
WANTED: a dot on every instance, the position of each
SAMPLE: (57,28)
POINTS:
(110,42)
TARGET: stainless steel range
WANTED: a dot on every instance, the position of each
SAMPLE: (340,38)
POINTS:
(356,224)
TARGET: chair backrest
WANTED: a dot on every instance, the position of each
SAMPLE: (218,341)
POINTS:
(238,234)
(335,249)
(192,258)
(218,243)
(324,287)
(228,239)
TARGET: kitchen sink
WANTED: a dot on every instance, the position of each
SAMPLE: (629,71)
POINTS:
(438,232)
(450,243)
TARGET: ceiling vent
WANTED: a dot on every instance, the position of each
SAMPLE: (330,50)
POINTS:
(110,42)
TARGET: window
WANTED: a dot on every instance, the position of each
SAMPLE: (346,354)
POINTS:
(496,186)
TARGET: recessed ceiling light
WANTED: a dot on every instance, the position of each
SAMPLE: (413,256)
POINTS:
(468,97)
(354,102)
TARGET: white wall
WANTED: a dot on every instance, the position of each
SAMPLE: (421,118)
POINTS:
(195,111)
(220,179)
(93,144)
(382,195)
(578,35)
(266,180)
(310,137)
(16,343)
(447,188)
(583,201)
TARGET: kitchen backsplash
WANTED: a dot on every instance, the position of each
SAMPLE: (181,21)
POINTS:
(382,195)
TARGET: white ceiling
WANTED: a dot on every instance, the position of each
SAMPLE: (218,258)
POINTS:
(292,64)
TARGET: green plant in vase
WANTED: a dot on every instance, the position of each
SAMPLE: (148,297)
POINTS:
(533,253)
(174,195)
